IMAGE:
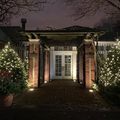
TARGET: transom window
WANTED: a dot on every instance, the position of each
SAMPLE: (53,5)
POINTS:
(63,48)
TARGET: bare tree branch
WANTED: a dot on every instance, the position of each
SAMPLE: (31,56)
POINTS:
(83,8)
(9,8)
(115,4)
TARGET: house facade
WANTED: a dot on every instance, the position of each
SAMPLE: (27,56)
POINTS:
(68,53)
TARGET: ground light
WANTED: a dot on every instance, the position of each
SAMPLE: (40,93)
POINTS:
(74,80)
(45,81)
(91,90)
(31,89)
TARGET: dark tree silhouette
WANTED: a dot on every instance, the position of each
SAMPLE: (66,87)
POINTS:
(109,23)
(90,7)
(9,8)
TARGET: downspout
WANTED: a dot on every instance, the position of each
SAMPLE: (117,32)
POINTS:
(78,65)
(84,66)
(39,65)
(96,71)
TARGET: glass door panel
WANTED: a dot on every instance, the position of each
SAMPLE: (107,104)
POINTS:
(58,65)
(67,65)
(63,66)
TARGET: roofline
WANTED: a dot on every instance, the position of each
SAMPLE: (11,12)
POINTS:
(61,32)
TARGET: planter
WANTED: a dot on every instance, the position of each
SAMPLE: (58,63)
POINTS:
(6,100)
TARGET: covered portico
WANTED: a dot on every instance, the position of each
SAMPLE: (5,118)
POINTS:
(46,49)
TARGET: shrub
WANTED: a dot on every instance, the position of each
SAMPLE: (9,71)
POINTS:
(13,75)
(109,79)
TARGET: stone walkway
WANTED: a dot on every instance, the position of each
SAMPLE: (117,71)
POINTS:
(61,92)
(60,100)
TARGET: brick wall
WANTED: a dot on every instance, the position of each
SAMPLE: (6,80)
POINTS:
(33,63)
(47,66)
(89,64)
(86,64)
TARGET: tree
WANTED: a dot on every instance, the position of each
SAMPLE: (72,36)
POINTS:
(13,75)
(109,24)
(9,8)
(110,71)
(88,7)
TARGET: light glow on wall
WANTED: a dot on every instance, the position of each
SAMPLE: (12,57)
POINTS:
(33,71)
(46,75)
(74,72)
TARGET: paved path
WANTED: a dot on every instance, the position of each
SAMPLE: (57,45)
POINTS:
(59,100)
(60,92)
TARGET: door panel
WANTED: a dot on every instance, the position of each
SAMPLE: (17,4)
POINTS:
(63,65)
(58,65)
(67,65)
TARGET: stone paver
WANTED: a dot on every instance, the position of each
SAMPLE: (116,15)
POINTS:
(61,92)
(59,100)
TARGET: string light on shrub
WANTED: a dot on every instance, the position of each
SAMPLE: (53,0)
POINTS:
(12,65)
(110,72)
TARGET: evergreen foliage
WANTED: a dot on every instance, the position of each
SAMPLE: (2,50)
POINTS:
(13,74)
(109,78)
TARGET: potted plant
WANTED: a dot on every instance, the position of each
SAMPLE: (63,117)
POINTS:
(13,75)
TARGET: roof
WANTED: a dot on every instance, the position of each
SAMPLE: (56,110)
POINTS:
(13,33)
(67,29)
(79,28)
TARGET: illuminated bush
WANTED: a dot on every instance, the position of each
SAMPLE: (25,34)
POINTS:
(110,72)
(12,72)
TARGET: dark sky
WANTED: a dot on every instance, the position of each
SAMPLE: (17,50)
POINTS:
(55,15)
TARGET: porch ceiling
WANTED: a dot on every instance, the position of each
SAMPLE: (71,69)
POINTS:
(60,38)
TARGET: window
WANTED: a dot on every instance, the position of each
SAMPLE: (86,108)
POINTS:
(67,65)
(63,48)
(58,66)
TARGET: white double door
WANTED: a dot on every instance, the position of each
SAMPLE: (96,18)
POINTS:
(63,66)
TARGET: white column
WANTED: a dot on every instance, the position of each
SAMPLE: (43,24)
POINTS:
(51,63)
(74,63)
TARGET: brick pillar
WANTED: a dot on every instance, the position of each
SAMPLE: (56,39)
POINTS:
(33,63)
(89,64)
(47,66)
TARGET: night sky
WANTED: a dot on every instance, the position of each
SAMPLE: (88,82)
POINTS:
(55,15)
